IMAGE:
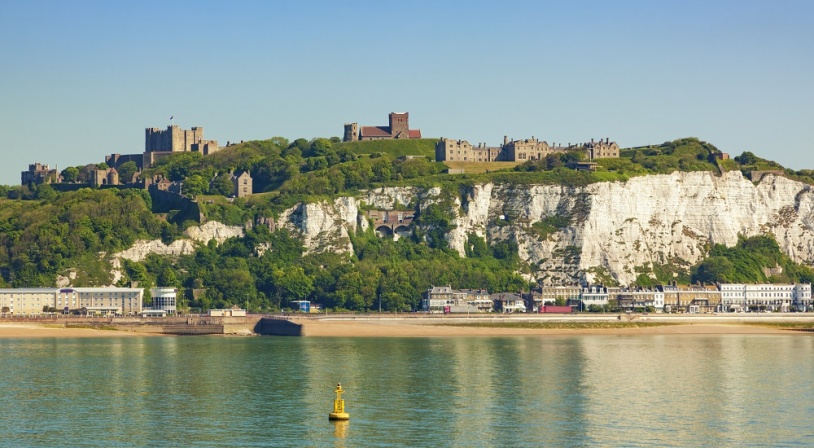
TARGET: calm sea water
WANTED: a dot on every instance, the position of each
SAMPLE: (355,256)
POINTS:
(467,392)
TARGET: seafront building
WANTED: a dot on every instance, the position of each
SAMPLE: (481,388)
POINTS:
(164,299)
(16,301)
(101,301)
(691,299)
(445,299)
(594,295)
(772,297)
(633,298)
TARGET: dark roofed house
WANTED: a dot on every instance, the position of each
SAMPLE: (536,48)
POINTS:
(242,183)
(399,128)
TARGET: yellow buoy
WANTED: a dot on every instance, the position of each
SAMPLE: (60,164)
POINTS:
(339,406)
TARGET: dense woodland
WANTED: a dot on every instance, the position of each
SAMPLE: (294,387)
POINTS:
(45,233)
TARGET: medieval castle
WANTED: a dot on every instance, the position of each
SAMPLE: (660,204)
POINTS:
(160,143)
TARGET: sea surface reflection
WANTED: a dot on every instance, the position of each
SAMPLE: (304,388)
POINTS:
(679,390)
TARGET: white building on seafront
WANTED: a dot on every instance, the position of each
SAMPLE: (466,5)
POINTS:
(164,299)
(93,300)
(594,295)
(24,301)
(772,297)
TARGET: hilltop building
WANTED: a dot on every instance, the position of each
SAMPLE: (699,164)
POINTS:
(107,176)
(242,184)
(601,150)
(462,151)
(518,150)
(160,143)
(398,128)
(39,174)
(117,160)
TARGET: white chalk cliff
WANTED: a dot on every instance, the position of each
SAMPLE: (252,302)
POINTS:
(615,227)
(211,230)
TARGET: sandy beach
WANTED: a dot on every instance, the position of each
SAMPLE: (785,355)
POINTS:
(368,326)
(33,330)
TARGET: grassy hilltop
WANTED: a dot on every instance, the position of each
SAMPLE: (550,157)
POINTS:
(44,233)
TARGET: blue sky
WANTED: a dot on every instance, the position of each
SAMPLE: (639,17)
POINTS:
(82,79)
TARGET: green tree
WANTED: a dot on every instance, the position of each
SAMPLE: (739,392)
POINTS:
(747,158)
(222,185)
(70,174)
(714,269)
(294,284)
(194,185)
(319,147)
(553,161)
(126,171)
(45,191)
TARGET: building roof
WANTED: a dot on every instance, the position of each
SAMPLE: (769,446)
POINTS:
(385,131)
(505,296)
(375,131)
(27,290)
(474,291)
(101,289)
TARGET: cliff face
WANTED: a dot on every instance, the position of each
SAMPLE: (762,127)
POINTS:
(614,228)
(605,229)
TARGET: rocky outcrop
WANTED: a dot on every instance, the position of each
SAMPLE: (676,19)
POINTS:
(323,226)
(212,230)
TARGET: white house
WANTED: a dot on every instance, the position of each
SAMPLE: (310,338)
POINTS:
(773,297)
(594,295)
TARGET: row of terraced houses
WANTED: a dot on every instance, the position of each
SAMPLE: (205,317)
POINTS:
(727,298)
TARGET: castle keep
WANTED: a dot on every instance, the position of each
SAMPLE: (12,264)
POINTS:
(158,143)
(399,127)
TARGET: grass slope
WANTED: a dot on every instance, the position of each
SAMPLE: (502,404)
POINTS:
(395,148)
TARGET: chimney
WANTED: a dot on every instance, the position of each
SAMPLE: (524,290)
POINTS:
(505,139)
(592,140)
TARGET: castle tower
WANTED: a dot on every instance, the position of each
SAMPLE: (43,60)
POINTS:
(112,176)
(399,124)
(351,132)
(173,139)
